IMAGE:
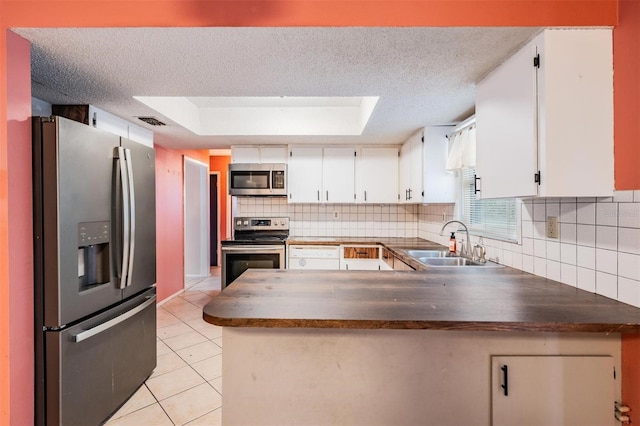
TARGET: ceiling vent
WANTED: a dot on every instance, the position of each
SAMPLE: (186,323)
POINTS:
(152,121)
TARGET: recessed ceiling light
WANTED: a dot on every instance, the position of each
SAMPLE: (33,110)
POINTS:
(266,116)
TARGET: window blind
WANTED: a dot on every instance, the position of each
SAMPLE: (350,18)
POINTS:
(488,218)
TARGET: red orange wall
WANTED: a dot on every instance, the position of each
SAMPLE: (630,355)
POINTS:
(170,217)
(20,312)
(164,13)
(626,65)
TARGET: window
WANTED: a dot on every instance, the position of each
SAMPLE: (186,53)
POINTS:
(488,218)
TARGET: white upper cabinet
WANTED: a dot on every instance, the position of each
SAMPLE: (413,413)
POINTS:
(338,174)
(321,175)
(304,174)
(258,154)
(439,184)
(411,177)
(545,118)
(377,175)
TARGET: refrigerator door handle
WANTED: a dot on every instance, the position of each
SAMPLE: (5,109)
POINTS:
(124,183)
(132,216)
(113,322)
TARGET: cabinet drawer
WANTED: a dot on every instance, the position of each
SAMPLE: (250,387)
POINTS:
(361,252)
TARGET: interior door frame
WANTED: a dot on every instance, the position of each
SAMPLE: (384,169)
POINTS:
(202,216)
(218,174)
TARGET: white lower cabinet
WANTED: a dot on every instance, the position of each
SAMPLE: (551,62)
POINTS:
(552,390)
(360,257)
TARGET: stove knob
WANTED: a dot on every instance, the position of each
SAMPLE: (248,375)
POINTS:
(246,223)
(238,222)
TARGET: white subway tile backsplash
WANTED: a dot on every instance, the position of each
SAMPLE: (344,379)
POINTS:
(607,261)
(629,266)
(568,213)
(568,233)
(540,266)
(539,212)
(623,197)
(586,279)
(586,257)
(603,258)
(586,213)
(586,235)
(553,209)
(540,230)
(539,248)
(527,263)
(527,229)
(568,254)
(607,237)
(527,211)
(607,214)
(568,274)
(607,285)
(629,240)
(553,251)
(629,215)
(553,270)
(629,291)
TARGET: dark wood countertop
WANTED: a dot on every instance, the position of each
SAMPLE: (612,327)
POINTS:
(495,299)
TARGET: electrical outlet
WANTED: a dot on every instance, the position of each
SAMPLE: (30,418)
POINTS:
(552,227)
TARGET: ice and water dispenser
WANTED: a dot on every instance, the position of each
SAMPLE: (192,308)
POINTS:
(93,254)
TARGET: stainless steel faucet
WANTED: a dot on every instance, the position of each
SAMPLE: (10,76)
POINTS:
(466,249)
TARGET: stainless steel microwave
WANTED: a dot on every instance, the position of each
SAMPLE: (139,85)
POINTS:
(264,179)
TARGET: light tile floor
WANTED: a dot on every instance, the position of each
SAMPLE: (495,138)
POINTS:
(186,386)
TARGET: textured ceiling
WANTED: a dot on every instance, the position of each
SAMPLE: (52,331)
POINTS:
(424,76)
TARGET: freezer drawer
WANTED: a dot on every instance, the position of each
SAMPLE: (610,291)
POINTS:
(95,366)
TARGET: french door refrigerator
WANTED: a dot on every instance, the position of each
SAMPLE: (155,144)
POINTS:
(95,270)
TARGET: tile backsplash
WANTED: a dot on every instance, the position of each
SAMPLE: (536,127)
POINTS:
(329,220)
(598,248)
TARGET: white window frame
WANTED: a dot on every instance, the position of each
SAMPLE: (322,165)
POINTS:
(475,224)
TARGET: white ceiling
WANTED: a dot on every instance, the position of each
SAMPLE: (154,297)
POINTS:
(423,76)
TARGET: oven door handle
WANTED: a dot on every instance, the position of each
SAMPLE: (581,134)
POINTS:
(253,249)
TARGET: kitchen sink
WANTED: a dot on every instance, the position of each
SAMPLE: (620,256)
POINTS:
(420,254)
(445,261)
(455,262)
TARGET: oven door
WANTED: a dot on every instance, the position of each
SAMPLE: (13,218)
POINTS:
(238,258)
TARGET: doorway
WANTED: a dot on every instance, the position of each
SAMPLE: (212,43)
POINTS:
(214,220)
(196,219)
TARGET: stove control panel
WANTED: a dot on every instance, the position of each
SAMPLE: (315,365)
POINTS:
(261,223)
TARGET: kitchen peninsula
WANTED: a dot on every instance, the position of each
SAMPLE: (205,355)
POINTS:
(424,347)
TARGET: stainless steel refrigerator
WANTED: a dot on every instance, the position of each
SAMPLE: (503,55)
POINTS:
(95,270)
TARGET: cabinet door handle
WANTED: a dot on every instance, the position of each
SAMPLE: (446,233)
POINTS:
(475,184)
(409,194)
(365,195)
(318,195)
(505,379)
(327,195)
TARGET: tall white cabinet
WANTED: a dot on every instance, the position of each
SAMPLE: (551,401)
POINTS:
(411,177)
(439,184)
(545,118)
(321,175)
